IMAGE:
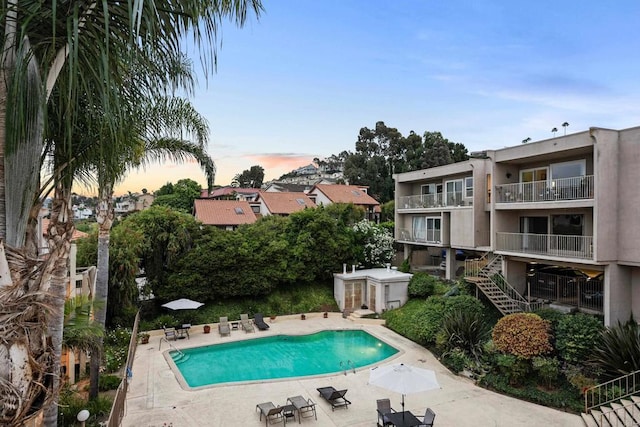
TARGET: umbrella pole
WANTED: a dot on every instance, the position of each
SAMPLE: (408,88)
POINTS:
(403,408)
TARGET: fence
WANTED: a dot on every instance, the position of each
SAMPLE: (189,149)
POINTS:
(117,410)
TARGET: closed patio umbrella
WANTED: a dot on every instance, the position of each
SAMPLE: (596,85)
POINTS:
(403,379)
(183,304)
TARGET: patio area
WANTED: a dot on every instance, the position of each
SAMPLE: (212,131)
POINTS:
(156,399)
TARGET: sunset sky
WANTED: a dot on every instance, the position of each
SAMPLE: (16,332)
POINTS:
(300,82)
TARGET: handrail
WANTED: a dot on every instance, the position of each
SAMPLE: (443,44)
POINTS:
(488,273)
(611,391)
(170,346)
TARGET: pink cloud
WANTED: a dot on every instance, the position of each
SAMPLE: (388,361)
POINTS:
(281,160)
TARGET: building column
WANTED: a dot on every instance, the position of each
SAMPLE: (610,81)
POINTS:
(617,294)
(450,264)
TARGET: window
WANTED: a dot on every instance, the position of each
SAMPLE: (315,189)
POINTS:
(239,211)
(454,192)
(468,187)
(426,229)
(300,201)
(571,169)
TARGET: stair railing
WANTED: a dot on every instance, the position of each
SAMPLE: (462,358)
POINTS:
(472,267)
(491,272)
(620,416)
(611,391)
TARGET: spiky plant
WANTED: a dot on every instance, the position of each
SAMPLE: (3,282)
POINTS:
(465,330)
(618,350)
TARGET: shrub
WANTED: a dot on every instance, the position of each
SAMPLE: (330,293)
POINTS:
(514,369)
(576,335)
(428,320)
(522,334)
(108,382)
(618,350)
(422,285)
(465,330)
(577,378)
(456,360)
(405,267)
(547,369)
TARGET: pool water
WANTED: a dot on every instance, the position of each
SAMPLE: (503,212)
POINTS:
(280,356)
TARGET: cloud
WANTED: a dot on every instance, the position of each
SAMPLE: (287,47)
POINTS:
(281,160)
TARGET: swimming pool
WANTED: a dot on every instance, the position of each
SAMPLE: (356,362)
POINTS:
(280,356)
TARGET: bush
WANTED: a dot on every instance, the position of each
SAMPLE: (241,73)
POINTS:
(547,369)
(456,360)
(422,285)
(514,369)
(618,350)
(429,320)
(576,335)
(108,382)
(464,330)
(523,335)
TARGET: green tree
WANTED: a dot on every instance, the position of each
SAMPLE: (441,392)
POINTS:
(437,152)
(250,178)
(185,191)
(375,244)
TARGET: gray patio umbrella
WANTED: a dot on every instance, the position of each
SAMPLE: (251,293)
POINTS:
(403,379)
(183,304)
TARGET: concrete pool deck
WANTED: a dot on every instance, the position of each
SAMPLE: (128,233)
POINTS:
(156,399)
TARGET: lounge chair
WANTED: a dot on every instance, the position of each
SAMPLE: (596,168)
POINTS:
(245,323)
(384,408)
(170,333)
(258,319)
(304,407)
(272,413)
(429,417)
(334,397)
(223,326)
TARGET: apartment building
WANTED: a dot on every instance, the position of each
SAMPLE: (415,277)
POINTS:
(559,219)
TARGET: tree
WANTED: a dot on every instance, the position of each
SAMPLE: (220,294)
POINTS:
(250,178)
(39,40)
(437,151)
(375,244)
(185,191)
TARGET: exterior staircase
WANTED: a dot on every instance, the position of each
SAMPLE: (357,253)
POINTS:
(486,274)
(615,403)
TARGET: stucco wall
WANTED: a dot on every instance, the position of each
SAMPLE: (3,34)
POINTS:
(629,197)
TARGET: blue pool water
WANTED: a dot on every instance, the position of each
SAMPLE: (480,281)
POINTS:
(280,356)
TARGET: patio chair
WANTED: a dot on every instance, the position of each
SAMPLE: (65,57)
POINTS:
(258,319)
(304,407)
(170,333)
(272,413)
(429,417)
(223,326)
(245,323)
(384,408)
(334,397)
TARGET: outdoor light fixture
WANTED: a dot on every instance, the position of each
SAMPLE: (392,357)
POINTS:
(83,416)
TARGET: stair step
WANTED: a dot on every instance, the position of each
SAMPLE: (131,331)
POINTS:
(624,414)
(632,409)
(588,420)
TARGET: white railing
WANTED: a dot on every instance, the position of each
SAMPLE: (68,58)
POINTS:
(546,244)
(430,236)
(576,188)
(439,200)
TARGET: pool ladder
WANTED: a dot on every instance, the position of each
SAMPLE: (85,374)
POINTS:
(347,366)
(181,356)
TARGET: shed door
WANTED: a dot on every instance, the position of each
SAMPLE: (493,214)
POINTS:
(372,298)
(353,294)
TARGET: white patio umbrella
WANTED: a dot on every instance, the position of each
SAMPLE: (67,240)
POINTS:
(403,379)
(183,304)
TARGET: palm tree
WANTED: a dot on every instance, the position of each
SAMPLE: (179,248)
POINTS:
(40,40)
(565,125)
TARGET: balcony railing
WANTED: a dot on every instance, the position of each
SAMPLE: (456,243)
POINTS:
(433,200)
(577,188)
(546,244)
(430,236)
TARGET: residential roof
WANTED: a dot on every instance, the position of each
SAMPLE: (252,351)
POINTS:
(223,212)
(77,234)
(345,194)
(228,191)
(285,203)
(286,186)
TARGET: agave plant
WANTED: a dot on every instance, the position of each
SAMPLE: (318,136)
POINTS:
(465,330)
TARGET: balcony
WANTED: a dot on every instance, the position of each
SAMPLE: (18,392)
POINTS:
(554,245)
(430,236)
(576,188)
(439,200)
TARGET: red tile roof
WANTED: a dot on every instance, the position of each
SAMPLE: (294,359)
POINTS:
(229,191)
(77,234)
(285,203)
(345,194)
(223,212)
